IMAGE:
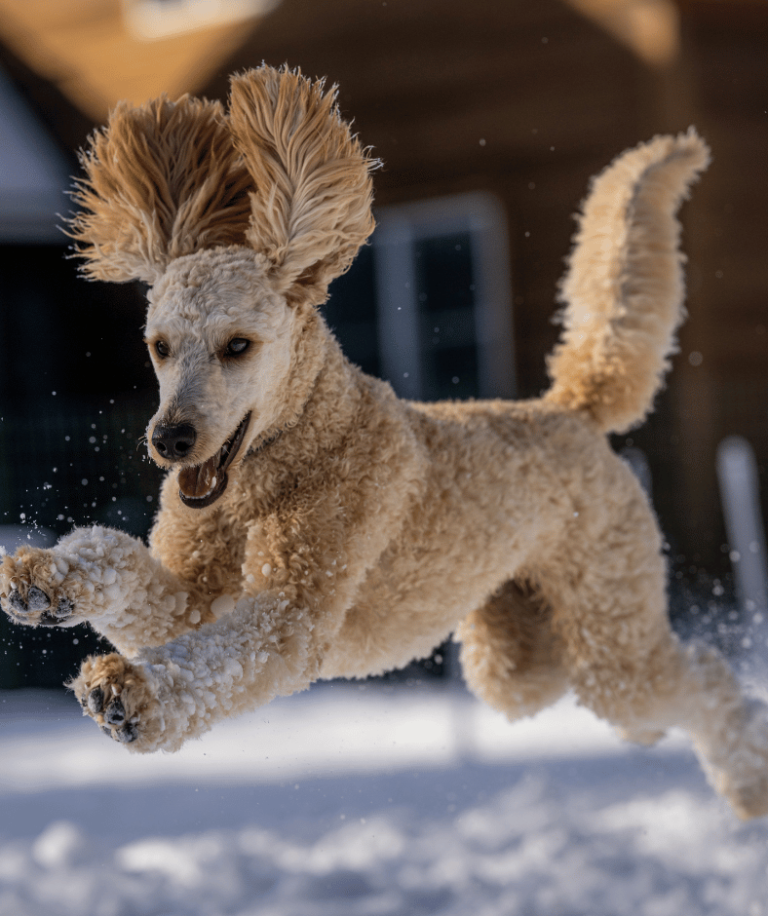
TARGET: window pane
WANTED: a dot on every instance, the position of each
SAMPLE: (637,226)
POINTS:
(446,303)
(444,271)
(351,313)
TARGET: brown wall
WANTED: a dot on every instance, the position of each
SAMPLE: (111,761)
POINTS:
(726,49)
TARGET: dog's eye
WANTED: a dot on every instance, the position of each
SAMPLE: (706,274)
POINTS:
(162,349)
(237,346)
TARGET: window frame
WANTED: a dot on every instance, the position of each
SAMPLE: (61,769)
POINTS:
(400,227)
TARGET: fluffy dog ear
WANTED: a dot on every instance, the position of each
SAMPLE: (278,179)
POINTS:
(162,180)
(312,207)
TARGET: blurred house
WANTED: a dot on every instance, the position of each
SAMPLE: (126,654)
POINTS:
(490,119)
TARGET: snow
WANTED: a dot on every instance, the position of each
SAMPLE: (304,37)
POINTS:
(369,801)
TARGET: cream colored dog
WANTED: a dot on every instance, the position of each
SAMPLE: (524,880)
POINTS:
(314,526)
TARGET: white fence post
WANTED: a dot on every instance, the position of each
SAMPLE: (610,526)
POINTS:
(740,494)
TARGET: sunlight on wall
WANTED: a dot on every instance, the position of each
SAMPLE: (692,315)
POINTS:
(92,53)
(149,20)
(650,28)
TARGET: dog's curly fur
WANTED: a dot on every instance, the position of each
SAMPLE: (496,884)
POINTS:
(312,525)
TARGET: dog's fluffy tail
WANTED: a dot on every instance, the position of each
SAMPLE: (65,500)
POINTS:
(624,288)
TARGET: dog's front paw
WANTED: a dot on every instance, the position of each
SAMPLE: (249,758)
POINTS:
(30,593)
(117,695)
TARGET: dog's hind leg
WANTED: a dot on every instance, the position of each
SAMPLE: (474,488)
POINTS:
(510,655)
(167,694)
(669,684)
(626,664)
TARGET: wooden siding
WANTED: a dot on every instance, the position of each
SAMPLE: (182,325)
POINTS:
(84,47)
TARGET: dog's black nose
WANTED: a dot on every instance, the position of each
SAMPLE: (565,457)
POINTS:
(174,442)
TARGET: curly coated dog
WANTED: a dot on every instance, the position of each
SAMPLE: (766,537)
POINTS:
(312,525)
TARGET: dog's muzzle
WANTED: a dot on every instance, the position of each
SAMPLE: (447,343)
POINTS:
(202,484)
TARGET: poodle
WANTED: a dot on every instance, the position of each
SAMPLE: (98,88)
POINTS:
(312,525)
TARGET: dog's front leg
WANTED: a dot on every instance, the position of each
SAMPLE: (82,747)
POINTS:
(272,643)
(156,701)
(301,570)
(104,577)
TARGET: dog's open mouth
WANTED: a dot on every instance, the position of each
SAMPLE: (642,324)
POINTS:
(203,484)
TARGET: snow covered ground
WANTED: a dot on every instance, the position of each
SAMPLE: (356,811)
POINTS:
(367,801)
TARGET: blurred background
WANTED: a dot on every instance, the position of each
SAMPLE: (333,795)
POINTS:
(490,118)
(355,798)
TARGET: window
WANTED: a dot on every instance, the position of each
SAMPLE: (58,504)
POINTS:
(427,305)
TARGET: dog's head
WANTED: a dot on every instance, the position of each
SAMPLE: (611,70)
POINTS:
(222,341)
(239,221)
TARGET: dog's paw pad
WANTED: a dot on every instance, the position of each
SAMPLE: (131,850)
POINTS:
(128,733)
(116,695)
(95,701)
(35,607)
(105,704)
(37,600)
(64,609)
(114,714)
(17,603)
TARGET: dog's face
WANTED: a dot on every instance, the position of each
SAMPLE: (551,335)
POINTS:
(221,342)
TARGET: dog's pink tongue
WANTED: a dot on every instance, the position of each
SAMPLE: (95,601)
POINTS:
(198,481)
